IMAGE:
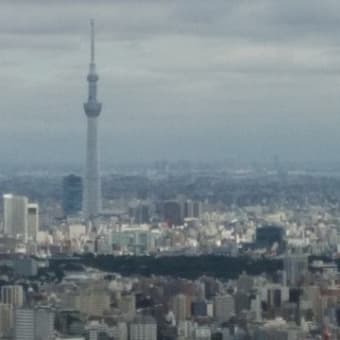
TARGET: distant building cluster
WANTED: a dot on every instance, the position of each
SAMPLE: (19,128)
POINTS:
(21,218)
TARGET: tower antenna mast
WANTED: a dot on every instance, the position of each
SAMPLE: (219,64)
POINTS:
(92,41)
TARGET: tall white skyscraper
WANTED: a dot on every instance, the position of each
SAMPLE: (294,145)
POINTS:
(15,215)
(92,186)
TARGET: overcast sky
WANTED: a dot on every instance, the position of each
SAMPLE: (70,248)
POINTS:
(185,79)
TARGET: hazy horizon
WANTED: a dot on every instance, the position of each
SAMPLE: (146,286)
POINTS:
(178,80)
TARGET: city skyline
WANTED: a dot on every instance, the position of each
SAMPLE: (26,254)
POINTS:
(180,80)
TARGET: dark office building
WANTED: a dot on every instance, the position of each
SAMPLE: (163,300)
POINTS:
(69,322)
(188,209)
(173,212)
(337,315)
(199,309)
(197,209)
(267,236)
(140,212)
(72,194)
(192,209)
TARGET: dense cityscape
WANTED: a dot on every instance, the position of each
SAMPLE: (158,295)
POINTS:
(180,251)
(168,250)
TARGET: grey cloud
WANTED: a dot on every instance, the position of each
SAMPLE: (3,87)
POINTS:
(196,78)
(262,19)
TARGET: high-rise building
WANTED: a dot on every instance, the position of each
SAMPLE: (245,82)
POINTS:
(15,216)
(97,330)
(44,323)
(25,266)
(24,324)
(12,295)
(189,209)
(296,268)
(69,321)
(102,331)
(192,209)
(32,221)
(137,240)
(92,189)
(180,307)
(34,323)
(72,195)
(275,295)
(224,307)
(245,283)
(143,328)
(127,306)
(6,319)
(198,209)
(120,331)
(199,308)
(269,235)
(278,329)
(173,212)
(202,333)
(140,212)
(93,301)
